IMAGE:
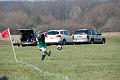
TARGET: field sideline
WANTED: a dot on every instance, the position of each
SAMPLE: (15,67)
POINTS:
(73,62)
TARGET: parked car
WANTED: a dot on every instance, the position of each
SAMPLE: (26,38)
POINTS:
(27,37)
(88,35)
(58,37)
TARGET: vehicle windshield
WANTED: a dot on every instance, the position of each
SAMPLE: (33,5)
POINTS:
(81,32)
(52,32)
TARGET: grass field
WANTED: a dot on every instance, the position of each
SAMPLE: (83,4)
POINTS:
(73,62)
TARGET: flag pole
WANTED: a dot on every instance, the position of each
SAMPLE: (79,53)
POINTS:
(1,36)
(12,46)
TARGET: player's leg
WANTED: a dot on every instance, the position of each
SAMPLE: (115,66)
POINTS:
(43,57)
(43,53)
(49,53)
(46,52)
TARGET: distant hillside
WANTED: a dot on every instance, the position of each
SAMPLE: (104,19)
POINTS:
(103,15)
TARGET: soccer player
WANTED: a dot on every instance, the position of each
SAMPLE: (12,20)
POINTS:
(42,45)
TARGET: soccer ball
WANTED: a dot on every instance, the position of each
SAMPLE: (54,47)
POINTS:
(59,47)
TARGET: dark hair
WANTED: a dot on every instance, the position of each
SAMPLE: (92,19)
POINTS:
(42,35)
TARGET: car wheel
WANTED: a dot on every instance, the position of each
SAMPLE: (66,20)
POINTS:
(103,41)
(22,45)
(64,42)
(92,41)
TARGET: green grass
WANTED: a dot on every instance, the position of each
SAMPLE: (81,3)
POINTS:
(73,62)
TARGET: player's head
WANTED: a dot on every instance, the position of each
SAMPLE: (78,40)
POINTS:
(42,35)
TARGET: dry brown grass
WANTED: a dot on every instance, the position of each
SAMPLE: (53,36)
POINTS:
(16,38)
(111,34)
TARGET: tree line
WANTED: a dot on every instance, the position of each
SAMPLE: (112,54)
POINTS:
(104,15)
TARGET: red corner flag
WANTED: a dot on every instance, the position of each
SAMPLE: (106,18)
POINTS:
(5,33)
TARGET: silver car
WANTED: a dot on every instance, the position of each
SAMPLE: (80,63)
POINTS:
(88,35)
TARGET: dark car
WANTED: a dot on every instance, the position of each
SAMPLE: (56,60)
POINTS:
(27,37)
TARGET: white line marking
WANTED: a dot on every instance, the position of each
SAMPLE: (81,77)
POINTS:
(46,72)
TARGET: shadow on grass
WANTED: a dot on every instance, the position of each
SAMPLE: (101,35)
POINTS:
(3,78)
